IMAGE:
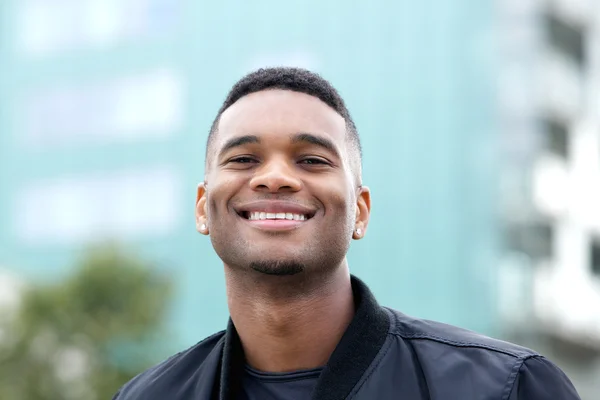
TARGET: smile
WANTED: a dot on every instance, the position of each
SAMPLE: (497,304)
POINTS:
(264,215)
(275,215)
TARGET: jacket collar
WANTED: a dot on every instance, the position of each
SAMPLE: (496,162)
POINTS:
(359,345)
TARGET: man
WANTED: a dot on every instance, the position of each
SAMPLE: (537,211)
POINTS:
(281,201)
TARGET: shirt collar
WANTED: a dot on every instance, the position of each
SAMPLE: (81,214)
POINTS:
(359,345)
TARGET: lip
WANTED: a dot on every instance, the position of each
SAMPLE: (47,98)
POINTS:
(276,206)
(275,224)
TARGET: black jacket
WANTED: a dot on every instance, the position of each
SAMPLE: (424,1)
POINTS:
(383,355)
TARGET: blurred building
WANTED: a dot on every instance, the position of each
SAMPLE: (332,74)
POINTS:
(105,107)
(550,112)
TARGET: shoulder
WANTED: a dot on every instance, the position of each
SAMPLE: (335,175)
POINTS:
(176,368)
(415,329)
(539,378)
(453,359)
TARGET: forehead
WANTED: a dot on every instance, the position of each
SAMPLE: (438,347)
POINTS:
(274,114)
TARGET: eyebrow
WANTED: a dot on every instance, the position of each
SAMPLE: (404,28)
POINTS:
(239,141)
(317,141)
(297,138)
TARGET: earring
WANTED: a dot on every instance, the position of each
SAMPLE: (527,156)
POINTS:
(358,231)
(203,227)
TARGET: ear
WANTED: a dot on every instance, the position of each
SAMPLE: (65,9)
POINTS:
(201,217)
(363,212)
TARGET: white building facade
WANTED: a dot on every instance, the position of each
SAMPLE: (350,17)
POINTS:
(549,98)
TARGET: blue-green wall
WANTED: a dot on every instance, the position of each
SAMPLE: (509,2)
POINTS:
(417,77)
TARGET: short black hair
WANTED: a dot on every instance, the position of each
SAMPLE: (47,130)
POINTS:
(296,80)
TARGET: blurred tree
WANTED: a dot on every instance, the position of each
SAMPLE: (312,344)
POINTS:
(83,337)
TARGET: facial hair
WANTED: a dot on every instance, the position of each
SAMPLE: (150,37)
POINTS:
(277,267)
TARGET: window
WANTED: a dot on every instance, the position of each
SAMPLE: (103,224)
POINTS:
(595,256)
(536,240)
(51,27)
(144,105)
(556,138)
(127,204)
(567,38)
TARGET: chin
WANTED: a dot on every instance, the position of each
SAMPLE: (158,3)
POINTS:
(278,267)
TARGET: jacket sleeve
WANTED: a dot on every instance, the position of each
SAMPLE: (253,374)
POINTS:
(540,379)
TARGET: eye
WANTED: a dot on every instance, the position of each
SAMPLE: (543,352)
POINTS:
(314,161)
(242,160)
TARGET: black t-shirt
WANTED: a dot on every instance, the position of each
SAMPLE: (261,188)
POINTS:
(298,385)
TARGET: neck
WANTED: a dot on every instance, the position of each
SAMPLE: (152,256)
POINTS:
(289,323)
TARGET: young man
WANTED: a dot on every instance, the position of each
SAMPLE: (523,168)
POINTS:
(281,201)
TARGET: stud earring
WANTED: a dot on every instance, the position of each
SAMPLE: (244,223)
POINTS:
(203,227)
(358,231)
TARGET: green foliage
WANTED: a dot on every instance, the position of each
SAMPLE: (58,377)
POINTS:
(83,337)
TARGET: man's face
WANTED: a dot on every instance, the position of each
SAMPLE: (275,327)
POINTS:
(280,197)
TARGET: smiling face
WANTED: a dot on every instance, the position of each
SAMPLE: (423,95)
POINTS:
(280,196)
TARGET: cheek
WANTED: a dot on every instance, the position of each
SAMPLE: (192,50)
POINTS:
(221,192)
(212,211)
(341,204)
(216,204)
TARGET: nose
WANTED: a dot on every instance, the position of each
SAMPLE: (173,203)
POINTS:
(276,176)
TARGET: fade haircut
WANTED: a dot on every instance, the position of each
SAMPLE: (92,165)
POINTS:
(296,80)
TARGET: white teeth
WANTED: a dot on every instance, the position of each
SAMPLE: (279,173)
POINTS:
(258,215)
